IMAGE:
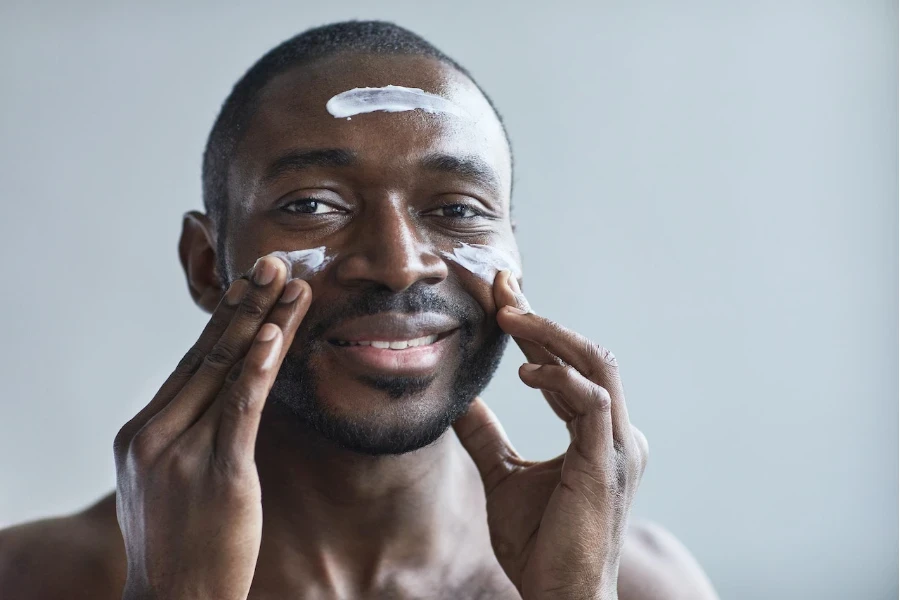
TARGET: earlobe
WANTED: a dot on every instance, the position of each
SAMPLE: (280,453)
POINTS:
(197,252)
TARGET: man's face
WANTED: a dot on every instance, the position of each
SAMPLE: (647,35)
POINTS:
(386,194)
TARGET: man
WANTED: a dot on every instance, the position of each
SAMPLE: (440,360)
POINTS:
(324,437)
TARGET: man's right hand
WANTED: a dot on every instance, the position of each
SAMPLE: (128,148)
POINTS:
(188,493)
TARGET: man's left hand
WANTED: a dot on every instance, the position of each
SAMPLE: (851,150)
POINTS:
(558,526)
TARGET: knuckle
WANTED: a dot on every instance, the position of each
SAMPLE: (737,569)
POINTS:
(180,466)
(608,357)
(594,353)
(223,355)
(253,307)
(602,399)
(142,446)
(635,462)
(568,374)
(122,441)
(241,401)
(593,350)
(190,362)
(643,446)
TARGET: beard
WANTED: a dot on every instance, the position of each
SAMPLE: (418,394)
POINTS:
(403,429)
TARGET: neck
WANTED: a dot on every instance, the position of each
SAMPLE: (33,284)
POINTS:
(350,520)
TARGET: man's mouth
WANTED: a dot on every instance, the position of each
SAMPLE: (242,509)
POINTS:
(397,345)
(394,343)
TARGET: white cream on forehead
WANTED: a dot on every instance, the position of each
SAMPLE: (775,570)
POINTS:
(304,263)
(484,261)
(390,98)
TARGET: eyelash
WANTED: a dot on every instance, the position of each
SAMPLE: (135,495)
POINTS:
(286,207)
(466,207)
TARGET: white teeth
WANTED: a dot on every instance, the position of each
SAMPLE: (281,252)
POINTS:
(401,345)
(423,341)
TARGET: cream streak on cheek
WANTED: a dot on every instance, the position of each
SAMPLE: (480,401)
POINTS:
(303,264)
(484,261)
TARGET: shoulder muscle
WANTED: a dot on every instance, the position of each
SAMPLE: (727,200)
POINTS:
(66,557)
(656,566)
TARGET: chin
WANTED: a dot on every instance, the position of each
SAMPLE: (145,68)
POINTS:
(376,414)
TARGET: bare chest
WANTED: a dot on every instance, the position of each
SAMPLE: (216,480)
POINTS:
(488,585)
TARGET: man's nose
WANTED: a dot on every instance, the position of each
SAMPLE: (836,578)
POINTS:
(388,249)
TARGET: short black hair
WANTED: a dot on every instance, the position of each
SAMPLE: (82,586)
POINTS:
(364,37)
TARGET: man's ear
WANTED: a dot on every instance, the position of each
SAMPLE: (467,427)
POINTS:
(197,251)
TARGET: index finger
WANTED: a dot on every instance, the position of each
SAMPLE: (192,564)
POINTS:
(190,362)
(591,360)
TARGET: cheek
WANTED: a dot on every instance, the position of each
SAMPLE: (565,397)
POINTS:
(304,264)
(477,288)
(478,265)
(485,261)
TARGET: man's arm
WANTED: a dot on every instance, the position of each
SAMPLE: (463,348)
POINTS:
(656,566)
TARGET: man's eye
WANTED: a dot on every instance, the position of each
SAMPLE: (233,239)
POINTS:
(309,206)
(457,211)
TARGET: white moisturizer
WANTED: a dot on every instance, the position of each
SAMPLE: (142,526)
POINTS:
(303,264)
(390,98)
(484,261)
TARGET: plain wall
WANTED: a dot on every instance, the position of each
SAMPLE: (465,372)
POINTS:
(707,188)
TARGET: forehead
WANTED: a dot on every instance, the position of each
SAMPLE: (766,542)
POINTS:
(291,115)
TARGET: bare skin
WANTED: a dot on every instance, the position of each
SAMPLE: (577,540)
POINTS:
(221,495)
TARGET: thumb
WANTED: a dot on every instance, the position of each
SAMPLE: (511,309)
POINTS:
(483,437)
(507,292)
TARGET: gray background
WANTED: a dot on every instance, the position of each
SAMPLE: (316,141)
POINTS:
(709,189)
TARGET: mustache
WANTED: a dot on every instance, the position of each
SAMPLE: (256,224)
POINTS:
(374,300)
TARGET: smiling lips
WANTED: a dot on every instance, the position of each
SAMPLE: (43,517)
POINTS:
(394,343)
(398,345)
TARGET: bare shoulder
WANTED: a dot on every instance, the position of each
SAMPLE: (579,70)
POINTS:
(656,566)
(73,557)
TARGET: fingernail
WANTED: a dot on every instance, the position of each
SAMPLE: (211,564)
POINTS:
(516,310)
(268,332)
(291,292)
(235,292)
(530,367)
(513,284)
(287,266)
(264,272)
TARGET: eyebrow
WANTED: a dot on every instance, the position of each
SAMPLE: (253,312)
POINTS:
(467,167)
(298,160)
